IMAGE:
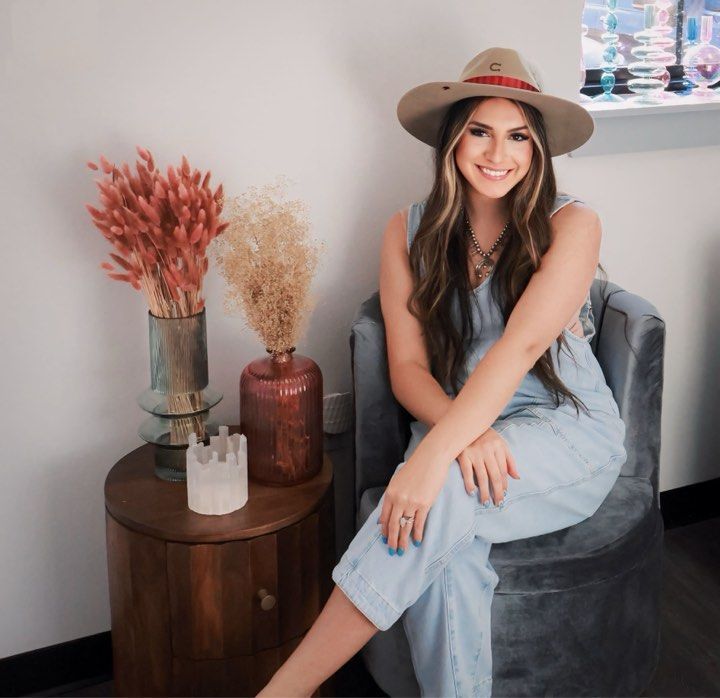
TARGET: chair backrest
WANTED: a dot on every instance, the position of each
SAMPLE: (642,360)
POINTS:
(629,343)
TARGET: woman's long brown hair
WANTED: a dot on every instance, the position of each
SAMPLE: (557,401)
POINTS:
(438,254)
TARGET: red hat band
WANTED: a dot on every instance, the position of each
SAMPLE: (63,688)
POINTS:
(504,81)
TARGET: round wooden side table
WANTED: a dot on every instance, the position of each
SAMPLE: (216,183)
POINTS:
(212,605)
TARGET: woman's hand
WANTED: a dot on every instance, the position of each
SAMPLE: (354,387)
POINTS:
(489,458)
(411,492)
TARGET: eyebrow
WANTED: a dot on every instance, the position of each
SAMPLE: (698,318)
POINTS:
(490,128)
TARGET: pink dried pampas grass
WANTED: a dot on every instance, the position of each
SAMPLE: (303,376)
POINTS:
(160,229)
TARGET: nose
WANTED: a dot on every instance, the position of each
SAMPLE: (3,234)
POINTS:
(496,150)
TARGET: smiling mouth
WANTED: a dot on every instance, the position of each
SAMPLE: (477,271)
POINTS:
(493,174)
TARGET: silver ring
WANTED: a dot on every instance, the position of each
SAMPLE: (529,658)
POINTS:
(404,520)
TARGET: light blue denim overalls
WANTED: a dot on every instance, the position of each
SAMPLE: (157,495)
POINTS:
(444,588)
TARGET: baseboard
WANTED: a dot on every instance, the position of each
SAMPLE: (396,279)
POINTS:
(67,664)
(690,504)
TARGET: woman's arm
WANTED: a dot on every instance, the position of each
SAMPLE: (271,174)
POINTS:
(553,293)
(417,390)
(413,385)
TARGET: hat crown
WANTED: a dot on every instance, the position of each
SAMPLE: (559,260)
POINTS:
(501,63)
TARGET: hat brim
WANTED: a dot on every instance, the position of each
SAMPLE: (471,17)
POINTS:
(421,110)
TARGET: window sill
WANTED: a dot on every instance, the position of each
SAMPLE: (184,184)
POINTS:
(682,122)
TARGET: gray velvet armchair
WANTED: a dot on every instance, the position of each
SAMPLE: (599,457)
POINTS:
(576,611)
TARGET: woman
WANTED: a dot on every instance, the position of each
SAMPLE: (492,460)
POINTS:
(484,289)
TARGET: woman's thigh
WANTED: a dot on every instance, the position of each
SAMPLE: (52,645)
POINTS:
(556,489)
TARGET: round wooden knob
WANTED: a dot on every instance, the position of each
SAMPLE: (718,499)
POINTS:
(267,601)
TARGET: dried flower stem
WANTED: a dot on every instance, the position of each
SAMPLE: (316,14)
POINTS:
(268,263)
(160,228)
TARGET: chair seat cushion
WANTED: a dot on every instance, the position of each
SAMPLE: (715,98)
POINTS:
(608,543)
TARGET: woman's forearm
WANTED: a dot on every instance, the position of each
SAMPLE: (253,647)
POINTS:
(482,398)
(417,390)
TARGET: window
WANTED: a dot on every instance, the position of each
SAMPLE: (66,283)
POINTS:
(631,17)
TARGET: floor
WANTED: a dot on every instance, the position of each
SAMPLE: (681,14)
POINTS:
(690,642)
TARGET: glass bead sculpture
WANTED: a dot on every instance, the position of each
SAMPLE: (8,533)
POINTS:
(702,61)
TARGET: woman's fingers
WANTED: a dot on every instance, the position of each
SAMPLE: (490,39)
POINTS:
(466,469)
(512,466)
(502,463)
(394,528)
(493,470)
(385,516)
(482,479)
(419,526)
(404,534)
(397,537)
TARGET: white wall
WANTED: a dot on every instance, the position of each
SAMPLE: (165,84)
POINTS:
(250,90)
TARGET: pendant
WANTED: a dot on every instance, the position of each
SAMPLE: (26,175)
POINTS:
(483,269)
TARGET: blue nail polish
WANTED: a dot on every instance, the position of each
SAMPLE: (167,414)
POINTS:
(391,551)
(417,543)
(401,551)
(486,503)
(504,493)
(384,539)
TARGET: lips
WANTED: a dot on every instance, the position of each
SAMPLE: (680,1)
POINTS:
(491,177)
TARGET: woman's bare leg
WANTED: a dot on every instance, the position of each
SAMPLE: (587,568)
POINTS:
(337,634)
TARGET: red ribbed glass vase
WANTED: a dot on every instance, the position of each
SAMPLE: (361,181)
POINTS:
(281,414)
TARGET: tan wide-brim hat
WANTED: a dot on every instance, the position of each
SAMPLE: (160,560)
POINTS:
(495,72)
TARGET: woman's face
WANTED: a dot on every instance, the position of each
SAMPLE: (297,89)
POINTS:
(498,144)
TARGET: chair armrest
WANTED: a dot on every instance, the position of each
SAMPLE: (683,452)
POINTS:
(382,424)
(629,345)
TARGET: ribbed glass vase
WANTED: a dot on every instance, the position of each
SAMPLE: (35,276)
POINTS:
(281,414)
(179,398)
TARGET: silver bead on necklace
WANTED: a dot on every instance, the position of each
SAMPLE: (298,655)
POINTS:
(484,267)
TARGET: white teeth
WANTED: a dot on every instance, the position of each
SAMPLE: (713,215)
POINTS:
(494,173)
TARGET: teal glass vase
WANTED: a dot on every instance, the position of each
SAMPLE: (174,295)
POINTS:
(179,398)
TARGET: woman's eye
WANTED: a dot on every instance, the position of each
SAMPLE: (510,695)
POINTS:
(478,131)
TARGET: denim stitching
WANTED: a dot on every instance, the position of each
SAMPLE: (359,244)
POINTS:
(475,683)
(370,544)
(509,500)
(478,686)
(380,595)
(360,600)
(476,662)
(449,616)
(556,430)
(612,414)
(447,554)
(559,432)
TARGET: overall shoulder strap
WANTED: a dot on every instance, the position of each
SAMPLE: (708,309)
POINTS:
(415,212)
(561,199)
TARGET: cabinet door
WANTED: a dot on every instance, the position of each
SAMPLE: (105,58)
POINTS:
(217,590)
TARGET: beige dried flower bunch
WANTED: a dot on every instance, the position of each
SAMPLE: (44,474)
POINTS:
(268,263)
(160,228)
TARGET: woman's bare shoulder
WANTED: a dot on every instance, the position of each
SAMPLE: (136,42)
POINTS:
(396,229)
(574,214)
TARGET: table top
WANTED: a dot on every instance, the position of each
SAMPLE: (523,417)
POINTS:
(140,500)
